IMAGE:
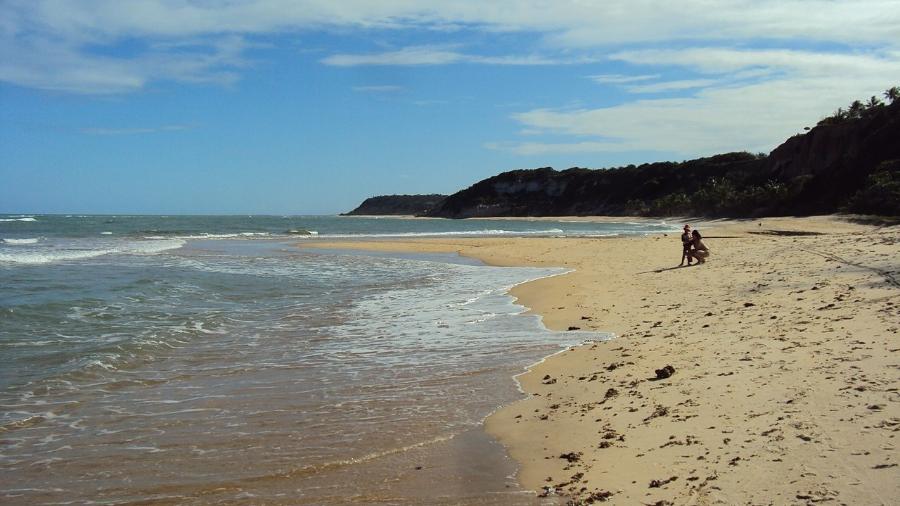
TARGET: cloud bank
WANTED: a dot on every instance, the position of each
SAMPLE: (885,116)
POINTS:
(702,77)
(749,100)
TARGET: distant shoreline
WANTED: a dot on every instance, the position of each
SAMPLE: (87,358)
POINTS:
(388,216)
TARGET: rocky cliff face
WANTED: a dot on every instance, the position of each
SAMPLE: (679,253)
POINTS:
(831,162)
(397,205)
(578,191)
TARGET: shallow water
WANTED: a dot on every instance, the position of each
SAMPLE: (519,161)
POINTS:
(227,370)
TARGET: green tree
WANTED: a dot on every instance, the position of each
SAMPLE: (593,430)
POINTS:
(881,192)
(873,102)
(856,109)
(892,93)
(836,117)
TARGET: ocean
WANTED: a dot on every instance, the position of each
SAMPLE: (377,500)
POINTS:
(206,359)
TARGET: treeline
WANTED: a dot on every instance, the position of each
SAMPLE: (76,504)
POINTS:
(849,162)
(859,109)
(846,163)
(731,184)
(881,193)
(720,196)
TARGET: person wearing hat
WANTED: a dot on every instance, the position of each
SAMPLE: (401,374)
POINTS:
(686,246)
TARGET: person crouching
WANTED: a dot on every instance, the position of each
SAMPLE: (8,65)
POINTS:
(699,251)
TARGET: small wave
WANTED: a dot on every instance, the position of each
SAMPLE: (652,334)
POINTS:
(336,464)
(462,233)
(23,423)
(99,364)
(105,233)
(30,240)
(18,219)
(208,236)
(149,248)
(45,256)
(42,257)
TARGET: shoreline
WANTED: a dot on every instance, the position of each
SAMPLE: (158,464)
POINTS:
(695,437)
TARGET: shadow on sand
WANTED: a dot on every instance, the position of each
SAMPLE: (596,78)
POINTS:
(657,271)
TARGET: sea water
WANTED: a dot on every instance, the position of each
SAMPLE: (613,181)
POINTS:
(206,359)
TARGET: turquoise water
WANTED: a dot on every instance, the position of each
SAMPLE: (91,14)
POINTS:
(205,359)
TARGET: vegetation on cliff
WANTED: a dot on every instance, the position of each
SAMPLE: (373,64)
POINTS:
(850,161)
(397,205)
(858,109)
(845,164)
(881,193)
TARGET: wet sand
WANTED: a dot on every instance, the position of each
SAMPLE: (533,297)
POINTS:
(785,354)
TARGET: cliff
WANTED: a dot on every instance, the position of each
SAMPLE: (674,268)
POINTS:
(834,160)
(397,205)
(581,192)
(848,162)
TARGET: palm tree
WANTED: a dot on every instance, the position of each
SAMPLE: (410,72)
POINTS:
(892,93)
(873,102)
(840,114)
(856,108)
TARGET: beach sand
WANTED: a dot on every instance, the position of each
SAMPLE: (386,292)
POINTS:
(785,352)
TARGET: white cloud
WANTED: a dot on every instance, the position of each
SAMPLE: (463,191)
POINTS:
(621,78)
(531,59)
(754,117)
(54,44)
(417,55)
(440,55)
(684,84)
(740,97)
(753,101)
(566,22)
(718,60)
(52,65)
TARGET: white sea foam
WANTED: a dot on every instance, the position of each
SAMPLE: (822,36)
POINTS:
(209,236)
(152,247)
(27,218)
(30,240)
(484,232)
(435,332)
(47,255)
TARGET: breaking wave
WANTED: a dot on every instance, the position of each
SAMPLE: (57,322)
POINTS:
(35,256)
(14,242)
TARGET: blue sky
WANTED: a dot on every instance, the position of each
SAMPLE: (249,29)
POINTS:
(308,107)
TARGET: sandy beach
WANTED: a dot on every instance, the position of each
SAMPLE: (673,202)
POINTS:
(785,354)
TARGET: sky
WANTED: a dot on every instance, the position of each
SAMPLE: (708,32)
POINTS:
(308,107)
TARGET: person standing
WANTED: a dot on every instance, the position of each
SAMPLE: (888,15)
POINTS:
(686,246)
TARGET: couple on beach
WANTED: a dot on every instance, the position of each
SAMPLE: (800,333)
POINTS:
(693,247)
